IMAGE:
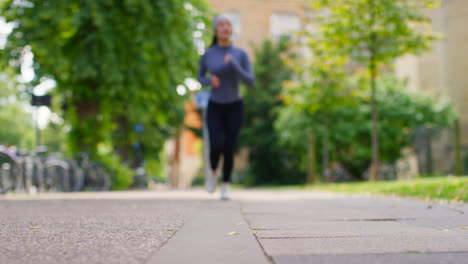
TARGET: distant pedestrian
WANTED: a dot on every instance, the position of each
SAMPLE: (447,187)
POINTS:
(227,65)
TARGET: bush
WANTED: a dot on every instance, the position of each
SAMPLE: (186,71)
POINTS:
(350,125)
(120,174)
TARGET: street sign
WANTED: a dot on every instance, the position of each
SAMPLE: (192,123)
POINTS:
(40,100)
(138,128)
(202,98)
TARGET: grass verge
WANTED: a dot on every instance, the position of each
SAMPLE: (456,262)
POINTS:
(442,188)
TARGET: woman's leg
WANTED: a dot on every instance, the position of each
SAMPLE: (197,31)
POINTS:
(233,125)
(215,131)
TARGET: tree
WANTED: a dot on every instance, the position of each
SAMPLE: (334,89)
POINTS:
(320,88)
(375,32)
(268,161)
(116,64)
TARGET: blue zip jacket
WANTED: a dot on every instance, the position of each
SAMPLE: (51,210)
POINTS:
(238,69)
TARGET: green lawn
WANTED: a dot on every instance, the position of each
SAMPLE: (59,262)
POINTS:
(445,188)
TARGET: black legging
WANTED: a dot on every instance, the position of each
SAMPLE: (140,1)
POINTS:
(224,124)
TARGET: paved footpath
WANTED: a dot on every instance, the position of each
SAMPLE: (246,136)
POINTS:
(256,227)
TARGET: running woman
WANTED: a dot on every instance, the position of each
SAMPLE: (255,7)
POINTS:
(226,65)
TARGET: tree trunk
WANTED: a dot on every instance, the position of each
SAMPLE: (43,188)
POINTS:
(122,146)
(325,150)
(375,136)
(312,176)
(87,111)
(429,151)
(175,170)
(458,154)
(373,75)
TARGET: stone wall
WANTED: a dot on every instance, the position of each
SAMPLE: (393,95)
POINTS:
(255,17)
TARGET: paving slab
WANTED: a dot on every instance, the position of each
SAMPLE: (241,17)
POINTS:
(332,245)
(217,234)
(410,258)
(358,229)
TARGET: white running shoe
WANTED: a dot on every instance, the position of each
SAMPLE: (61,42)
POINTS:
(210,182)
(225,194)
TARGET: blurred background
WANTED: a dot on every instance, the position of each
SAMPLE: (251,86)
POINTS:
(99,95)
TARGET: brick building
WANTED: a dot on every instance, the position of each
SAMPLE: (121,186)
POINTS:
(257,20)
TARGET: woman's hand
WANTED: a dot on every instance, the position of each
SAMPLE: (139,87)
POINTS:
(214,81)
(227,58)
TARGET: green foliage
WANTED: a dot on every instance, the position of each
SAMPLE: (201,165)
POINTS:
(116,64)
(154,167)
(291,127)
(53,137)
(379,30)
(121,175)
(17,124)
(268,163)
(319,86)
(400,111)
(17,128)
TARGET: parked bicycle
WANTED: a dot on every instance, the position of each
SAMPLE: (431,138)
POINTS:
(24,171)
(95,177)
(9,171)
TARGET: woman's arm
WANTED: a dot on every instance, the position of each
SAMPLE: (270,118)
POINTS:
(243,68)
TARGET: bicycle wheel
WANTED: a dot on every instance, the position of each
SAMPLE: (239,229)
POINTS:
(8,170)
(38,174)
(57,175)
(77,176)
(27,172)
(104,179)
(97,179)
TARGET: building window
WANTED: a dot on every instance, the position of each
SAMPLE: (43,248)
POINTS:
(236,24)
(283,26)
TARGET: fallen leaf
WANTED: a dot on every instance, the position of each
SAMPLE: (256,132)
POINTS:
(170,230)
(34,227)
(254,231)
(238,224)
(242,252)
(429,207)
(465,227)
(233,233)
